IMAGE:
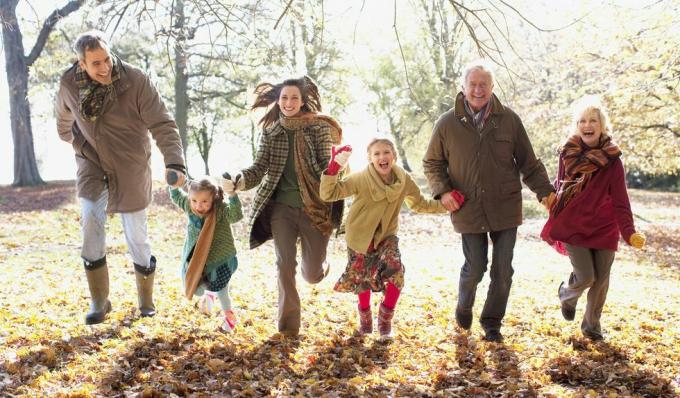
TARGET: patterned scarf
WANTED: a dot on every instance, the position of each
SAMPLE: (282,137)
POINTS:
(92,94)
(580,164)
(478,118)
(321,213)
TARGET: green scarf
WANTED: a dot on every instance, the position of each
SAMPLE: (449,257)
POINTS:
(92,94)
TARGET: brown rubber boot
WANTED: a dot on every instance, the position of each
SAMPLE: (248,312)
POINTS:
(97,273)
(144,277)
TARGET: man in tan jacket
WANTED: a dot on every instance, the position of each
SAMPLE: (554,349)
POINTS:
(480,148)
(105,109)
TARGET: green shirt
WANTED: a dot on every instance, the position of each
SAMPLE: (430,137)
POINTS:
(288,191)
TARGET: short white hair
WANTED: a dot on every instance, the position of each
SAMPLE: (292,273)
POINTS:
(480,65)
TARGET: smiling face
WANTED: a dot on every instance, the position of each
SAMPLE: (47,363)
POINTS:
(382,157)
(201,202)
(290,100)
(477,89)
(589,128)
(98,64)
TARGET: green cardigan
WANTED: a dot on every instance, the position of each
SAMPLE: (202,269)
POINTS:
(222,247)
(374,213)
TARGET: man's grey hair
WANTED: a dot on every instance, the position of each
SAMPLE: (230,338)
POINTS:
(89,41)
(480,65)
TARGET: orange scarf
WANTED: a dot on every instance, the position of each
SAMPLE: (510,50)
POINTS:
(580,164)
(200,255)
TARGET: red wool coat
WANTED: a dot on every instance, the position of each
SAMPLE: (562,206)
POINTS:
(595,217)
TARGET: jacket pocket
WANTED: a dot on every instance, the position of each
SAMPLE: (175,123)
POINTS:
(511,188)
(503,149)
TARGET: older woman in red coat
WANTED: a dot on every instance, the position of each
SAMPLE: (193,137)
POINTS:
(589,214)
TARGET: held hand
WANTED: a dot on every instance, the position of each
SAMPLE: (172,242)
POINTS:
(174,178)
(637,240)
(449,202)
(549,201)
(339,158)
(229,186)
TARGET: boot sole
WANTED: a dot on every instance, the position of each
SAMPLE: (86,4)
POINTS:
(98,317)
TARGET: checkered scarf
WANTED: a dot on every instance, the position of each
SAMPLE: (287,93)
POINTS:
(478,118)
(580,164)
(92,94)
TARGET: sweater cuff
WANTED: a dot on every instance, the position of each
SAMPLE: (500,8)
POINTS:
(178,167)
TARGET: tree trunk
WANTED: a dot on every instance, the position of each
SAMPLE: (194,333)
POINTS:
(16,64)
(181,77)
(25,166)
(399,143)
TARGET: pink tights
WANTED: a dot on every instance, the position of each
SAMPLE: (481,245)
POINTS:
(389,301)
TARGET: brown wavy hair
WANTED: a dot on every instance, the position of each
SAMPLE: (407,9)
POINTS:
(208,184)
(267,94)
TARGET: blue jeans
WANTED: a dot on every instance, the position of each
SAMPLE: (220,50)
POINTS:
(93,223)
(475,249)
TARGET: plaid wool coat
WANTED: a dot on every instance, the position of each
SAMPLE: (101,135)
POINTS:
(314,137)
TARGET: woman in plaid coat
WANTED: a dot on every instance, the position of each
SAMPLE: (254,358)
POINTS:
(294,149)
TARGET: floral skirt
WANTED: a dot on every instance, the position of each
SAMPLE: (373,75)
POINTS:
(374,269)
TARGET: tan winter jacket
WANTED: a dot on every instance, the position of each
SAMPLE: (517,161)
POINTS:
(484,166)
(375,210)
(115,150)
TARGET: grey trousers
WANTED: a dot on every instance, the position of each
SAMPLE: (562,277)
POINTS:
(93,222)
(591,269)
(289,223)
(475,249)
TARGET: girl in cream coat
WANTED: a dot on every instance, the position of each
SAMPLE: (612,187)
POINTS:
(374,261)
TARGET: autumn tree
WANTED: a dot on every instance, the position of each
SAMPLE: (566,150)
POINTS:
(18,65)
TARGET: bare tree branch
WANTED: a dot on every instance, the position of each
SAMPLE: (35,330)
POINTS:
(539,28)
(285,10)
(658,126)
(47,27)
(403,59)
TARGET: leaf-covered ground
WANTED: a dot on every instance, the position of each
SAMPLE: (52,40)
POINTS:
(46,350)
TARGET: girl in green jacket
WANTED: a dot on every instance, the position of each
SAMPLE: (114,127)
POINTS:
(209,255)
(374,261)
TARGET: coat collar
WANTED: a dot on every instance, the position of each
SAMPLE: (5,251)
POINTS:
(459,108)
(381,191)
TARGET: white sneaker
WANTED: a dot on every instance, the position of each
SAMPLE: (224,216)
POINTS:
(206,304)
(228,323)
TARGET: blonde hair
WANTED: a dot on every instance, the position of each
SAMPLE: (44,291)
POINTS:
(207,184)
(586,105)
(383,141)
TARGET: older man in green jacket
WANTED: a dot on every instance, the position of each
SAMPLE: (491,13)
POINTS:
(480,148)
(106,108)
